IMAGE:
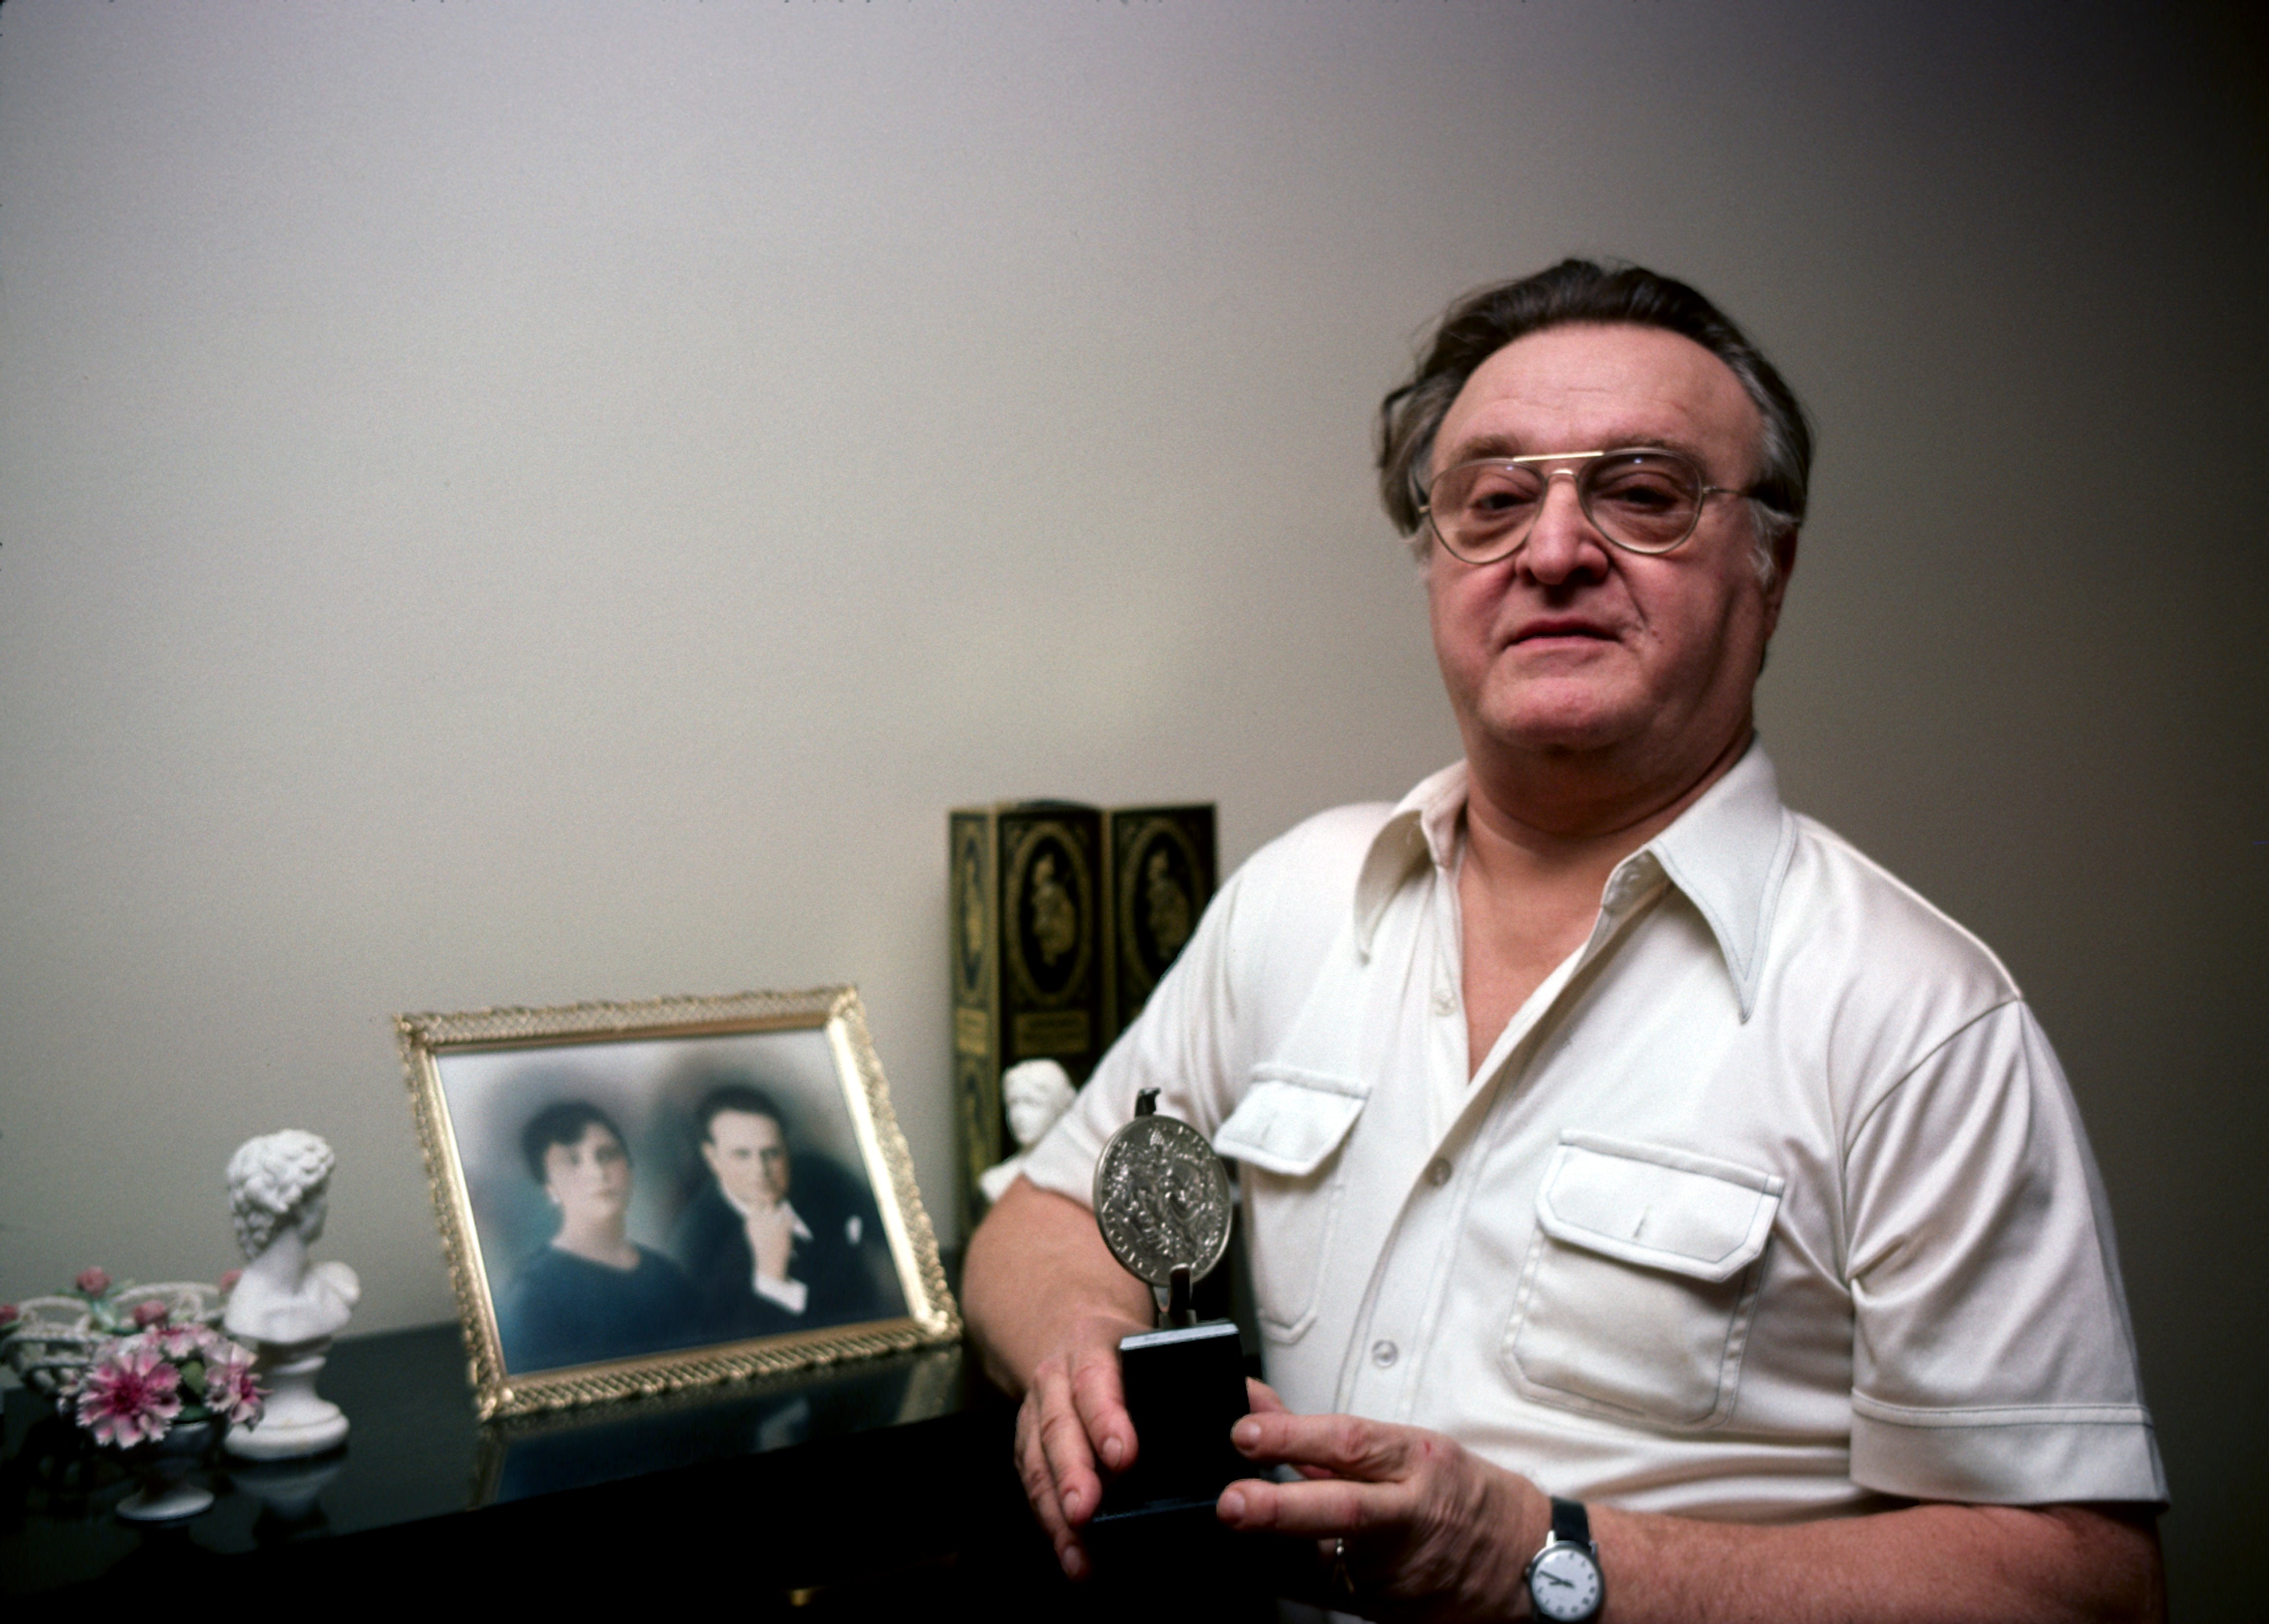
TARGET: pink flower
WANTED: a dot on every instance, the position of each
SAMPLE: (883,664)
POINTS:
(92,1282)
(228,1281)
(180,1342)
(130,1395)
(149,1314)
(230,1391)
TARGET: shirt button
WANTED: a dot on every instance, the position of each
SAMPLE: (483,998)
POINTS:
(1446,1001)
(1437,1172)
(1382,1354)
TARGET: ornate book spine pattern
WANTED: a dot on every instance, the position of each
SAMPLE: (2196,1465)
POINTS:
(1051,904)
(1029,950)
(1161,876)
(971,842)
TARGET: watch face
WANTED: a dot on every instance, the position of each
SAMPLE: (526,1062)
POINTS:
(1564,1582)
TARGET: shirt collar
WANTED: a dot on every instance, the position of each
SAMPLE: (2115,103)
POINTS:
(1728,853)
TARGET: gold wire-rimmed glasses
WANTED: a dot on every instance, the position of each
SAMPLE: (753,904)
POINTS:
(1644,499)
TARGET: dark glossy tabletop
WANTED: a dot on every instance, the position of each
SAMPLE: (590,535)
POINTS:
(871,1488)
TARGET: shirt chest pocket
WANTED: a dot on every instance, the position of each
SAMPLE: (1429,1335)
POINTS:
(1286,1132)
(1641,1284)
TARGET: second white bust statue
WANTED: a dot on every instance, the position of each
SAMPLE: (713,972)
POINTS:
(278,1193)
(1036,1093)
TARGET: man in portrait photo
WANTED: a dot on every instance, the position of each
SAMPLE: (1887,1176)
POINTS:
(778,1238)
(1656,1210)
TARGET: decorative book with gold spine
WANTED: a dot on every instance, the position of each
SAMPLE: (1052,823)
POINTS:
(1030,977)
(1064,918)
(1161,876)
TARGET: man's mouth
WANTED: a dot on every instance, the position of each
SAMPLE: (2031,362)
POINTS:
(1558,626)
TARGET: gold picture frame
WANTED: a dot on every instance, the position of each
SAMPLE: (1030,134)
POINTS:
(587,1271)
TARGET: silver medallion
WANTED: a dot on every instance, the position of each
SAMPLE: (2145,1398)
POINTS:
(1162,1199)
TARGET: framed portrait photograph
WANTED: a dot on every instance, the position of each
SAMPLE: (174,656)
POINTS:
(640,1197)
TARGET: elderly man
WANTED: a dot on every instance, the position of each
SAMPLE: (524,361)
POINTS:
(1647,1195)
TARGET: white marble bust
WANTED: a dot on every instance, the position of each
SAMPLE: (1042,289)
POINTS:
(1036,1093)
(278,1190)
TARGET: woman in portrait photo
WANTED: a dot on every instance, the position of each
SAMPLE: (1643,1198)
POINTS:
(592,1293)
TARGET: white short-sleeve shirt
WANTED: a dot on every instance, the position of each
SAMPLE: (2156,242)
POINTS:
(1771,1200)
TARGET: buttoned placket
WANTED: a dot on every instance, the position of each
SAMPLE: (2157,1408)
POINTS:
(1410,1286)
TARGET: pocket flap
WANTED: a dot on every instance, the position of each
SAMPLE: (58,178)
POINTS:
(1656,1206)
(1289,1121)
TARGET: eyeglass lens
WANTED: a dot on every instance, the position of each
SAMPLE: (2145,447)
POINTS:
(1646,501)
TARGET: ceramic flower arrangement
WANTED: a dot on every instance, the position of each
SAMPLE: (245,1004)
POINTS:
(129,1362)
(141,1369)
(137,1388)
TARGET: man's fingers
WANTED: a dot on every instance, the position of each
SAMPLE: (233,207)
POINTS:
(1064,1441)
(1420,1514)
(1041,1488)
(1262,1400)
(1070,1428)
(1101,1403)
(1039,1477)
(1321,1509)
(1345,1446)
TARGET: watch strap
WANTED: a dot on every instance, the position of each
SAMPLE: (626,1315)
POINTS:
(1571,1521)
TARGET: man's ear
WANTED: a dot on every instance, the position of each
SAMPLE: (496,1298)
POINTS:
(1784,558)
(1785,553)
(709,1155)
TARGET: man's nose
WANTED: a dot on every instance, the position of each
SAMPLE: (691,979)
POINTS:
(1561,544)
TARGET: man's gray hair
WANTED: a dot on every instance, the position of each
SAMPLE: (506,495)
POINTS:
(270,1178)
(1572,292)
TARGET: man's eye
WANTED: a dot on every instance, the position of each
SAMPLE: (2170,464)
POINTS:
(1495,493)
(1644,490)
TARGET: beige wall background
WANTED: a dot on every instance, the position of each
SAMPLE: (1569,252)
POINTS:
(512,503)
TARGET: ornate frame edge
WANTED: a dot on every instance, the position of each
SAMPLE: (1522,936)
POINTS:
(836,1011)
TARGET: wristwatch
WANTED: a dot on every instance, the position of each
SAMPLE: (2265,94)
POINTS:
(1565,1584)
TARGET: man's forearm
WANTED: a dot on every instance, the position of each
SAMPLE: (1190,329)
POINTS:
(1925,1563)
(1423,1520)
(1037,1266)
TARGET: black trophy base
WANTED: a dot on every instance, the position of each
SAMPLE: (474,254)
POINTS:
(1184,1389)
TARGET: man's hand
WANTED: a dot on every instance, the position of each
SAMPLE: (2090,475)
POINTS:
(1047,1303)
(1431,1529)
(1072,1418)
(771,1237)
